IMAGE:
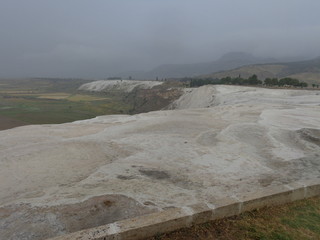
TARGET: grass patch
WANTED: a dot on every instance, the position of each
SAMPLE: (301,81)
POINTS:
(53,95)
(83,97)
(295,221)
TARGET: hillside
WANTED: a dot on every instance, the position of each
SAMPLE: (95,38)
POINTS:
(308,71)
(56,179)
(226,62)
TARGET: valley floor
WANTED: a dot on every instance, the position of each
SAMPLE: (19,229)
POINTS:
(7,123)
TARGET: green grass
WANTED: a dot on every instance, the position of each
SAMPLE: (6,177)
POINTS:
(39,111)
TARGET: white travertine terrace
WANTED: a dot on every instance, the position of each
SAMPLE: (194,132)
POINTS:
(118,85)
(219,141)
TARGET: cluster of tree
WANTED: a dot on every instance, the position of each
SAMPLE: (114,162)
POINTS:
(284,82)
(197,82)
(253,80)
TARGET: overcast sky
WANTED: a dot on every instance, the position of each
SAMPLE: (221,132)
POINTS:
(99,38)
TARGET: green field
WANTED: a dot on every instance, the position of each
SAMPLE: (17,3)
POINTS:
(54,101)
(34,110)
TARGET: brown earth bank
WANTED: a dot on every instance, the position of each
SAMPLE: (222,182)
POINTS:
(7,123)
(147,100)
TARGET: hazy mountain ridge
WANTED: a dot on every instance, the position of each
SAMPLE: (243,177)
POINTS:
(226,62)
(308,71)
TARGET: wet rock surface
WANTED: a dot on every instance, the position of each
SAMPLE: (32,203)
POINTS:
(43,222)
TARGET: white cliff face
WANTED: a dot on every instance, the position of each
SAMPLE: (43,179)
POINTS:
(220,141)
(118,85)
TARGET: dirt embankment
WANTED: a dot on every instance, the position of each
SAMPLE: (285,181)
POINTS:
(146,100)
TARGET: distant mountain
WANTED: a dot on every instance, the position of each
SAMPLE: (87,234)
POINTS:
(308,71)
(226,62)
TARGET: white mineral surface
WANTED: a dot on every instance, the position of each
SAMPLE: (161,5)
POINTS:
(219,141)
(118,85)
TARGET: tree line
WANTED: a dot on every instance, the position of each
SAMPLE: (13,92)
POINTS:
(252,80)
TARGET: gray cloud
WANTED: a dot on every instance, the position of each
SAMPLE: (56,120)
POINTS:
(78,38)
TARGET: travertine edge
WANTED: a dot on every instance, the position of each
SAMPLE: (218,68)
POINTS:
(177,218)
